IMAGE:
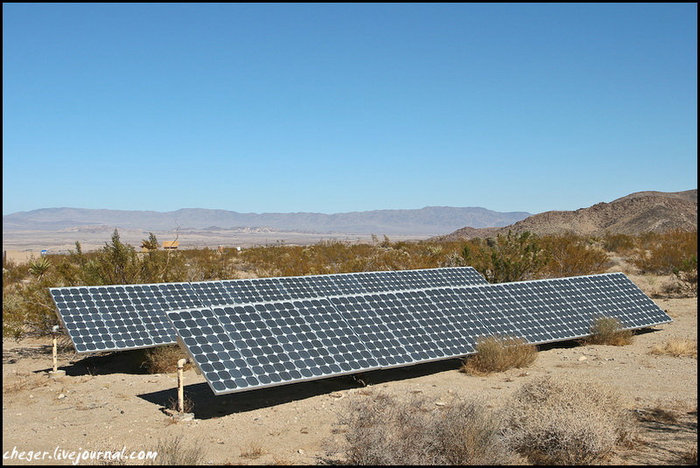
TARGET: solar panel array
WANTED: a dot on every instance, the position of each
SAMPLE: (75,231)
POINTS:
(277,341)
(121,317)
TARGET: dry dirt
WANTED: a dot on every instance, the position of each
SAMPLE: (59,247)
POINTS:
(103,404)
(20,245)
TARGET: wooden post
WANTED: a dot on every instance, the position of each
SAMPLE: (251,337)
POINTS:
(55,373)
(55,348)
(180,385)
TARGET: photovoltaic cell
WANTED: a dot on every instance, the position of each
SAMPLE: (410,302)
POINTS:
(467,324)
(435,323)
(462,276)
(105,318)
(582,313)
(264,344)
(380,339)
(649,312)
(305,287)
(211,292)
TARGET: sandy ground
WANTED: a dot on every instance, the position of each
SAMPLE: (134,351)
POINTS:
(103,404)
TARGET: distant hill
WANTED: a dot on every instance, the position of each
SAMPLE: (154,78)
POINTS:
(426,221)
(633,214)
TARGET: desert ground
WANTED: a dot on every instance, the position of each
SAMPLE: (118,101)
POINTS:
(103,403)
(20,245)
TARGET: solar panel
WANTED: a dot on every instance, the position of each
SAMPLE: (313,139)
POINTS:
(119,317)
(305,287)
(107,318)
(266,344)
(401,317)
(283,341)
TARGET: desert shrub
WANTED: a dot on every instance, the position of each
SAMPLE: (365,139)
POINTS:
(571,255)
(513,257)
(174,451)
(563,422)
(163,359)
(619,243)
(672,252)
(14,272)
(27,309)
(677,348)
(608,331)
(381,430)
(497,354)
(253,451)
(27,304)
(207,264)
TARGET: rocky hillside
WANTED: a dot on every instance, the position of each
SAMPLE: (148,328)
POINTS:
(633,214)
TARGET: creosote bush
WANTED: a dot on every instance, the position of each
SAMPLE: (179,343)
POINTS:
(382,430)
(497,354)
(562,422)
(608,331)
(671,252)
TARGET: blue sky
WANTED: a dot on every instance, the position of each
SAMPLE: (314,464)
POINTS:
(346,107)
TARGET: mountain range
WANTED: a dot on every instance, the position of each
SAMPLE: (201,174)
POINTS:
(428,221)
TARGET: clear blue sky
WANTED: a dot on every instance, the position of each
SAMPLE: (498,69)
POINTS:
(332,108)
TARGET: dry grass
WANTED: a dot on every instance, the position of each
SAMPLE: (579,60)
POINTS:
(24,381)
(163,359)
(253,451)
(380,430)
(565,422)
(186,401)
(677,348)
(608,331)
(174,451)
(497,354)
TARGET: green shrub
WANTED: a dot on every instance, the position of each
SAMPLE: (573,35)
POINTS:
(571,255)
(506,258)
